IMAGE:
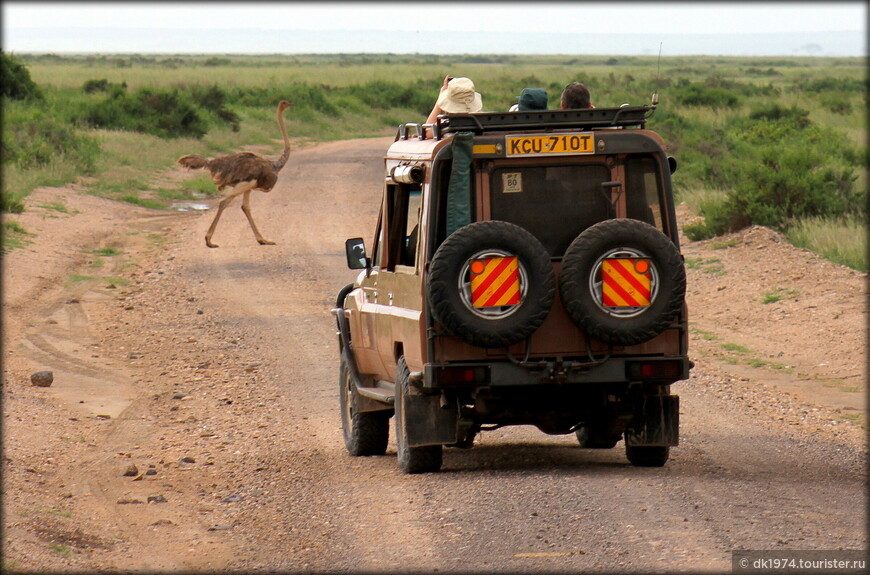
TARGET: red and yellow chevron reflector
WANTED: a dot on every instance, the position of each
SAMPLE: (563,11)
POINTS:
(626,282)
(495,281)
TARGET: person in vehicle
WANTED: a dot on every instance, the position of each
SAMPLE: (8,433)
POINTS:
(530,99)
(457,96)
(576,96)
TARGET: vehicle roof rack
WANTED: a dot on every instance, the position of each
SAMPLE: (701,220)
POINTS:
(583,119)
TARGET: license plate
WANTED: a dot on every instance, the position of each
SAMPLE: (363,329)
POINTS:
(553,144)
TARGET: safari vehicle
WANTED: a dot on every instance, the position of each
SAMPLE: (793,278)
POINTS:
(525,270)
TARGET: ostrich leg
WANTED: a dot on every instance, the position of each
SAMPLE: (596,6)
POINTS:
(246,207)
(242,188)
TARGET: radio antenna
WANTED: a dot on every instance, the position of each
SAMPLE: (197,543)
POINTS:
(655,96)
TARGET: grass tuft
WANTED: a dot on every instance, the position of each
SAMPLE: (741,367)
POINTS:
(840,240)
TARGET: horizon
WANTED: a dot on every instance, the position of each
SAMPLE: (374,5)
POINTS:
(690,28)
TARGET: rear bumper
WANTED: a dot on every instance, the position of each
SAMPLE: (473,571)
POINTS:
(658,370)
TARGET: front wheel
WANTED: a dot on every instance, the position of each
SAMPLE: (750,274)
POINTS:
(365,433)
(647,455)
(422,459)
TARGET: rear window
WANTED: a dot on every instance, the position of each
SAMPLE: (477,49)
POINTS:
(643,190)
(554,203)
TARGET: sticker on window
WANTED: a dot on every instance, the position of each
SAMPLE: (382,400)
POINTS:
(512,183)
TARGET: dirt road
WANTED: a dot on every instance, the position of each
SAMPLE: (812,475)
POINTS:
(193,420)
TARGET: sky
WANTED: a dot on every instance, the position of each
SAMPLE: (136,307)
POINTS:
(237,27)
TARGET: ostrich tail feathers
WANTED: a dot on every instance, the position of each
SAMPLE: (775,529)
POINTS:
(193,161)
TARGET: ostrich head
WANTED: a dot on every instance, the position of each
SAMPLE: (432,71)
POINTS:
(283,105)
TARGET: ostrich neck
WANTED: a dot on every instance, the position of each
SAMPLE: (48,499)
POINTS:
(279,163)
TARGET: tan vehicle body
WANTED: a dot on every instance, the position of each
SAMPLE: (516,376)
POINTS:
(609,168)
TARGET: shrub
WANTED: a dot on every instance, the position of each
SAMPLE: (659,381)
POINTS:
(694,94)
(842,85)
(789,118)
(163,113)
(31,139)
(213,99)
(102,85)
(15,80)
(837,103)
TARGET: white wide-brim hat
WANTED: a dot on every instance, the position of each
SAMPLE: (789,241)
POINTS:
(460,97)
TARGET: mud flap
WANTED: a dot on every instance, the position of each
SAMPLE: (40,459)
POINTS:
(656,421)
(428,423)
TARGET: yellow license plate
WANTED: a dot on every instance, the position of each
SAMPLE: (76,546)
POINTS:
(553,144)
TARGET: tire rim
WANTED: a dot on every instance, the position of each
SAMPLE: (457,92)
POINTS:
(491,313)
(596,283)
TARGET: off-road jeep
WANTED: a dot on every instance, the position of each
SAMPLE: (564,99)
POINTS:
(525,270)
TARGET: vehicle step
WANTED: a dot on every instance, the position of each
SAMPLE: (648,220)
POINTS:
(384,391)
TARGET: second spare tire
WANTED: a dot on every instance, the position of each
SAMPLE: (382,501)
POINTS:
(623,281)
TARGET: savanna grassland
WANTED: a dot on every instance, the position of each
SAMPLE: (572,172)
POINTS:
(773,141)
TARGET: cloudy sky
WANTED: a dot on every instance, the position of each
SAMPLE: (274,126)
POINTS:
(252,27)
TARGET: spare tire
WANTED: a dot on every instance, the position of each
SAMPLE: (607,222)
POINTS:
(623,281)
(491,284)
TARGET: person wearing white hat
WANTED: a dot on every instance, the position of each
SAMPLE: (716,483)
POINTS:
(457,96)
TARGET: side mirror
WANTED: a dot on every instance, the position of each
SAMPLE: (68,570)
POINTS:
(355,250)
(672,164)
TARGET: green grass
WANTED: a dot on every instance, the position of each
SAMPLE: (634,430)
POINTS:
(14,236)
(724,245)
(144,202)
(107,252)
(356,95)
(60,549)
(736,348)
(841,240)
(705,335)
(55,206)
(78,279)
(201,185)
(778,294)
(706,265)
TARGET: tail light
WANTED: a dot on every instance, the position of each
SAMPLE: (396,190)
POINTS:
(669,369)
(462,375)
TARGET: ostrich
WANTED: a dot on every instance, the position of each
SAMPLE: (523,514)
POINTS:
(242,173)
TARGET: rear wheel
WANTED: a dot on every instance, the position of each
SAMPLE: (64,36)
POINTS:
(365,433)
(647,455)
(592,438)
(420,459)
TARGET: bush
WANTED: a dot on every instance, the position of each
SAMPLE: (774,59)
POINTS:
(837,103)
(102,85)
(776,167)
(163,113)
(214,100)
(789,118)
(32,138)
(694,94)
(15,80)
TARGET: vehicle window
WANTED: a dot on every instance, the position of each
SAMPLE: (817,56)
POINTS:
(403,224)
(643,190)
(554,203)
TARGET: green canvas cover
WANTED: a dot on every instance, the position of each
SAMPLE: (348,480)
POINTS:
(459,188)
